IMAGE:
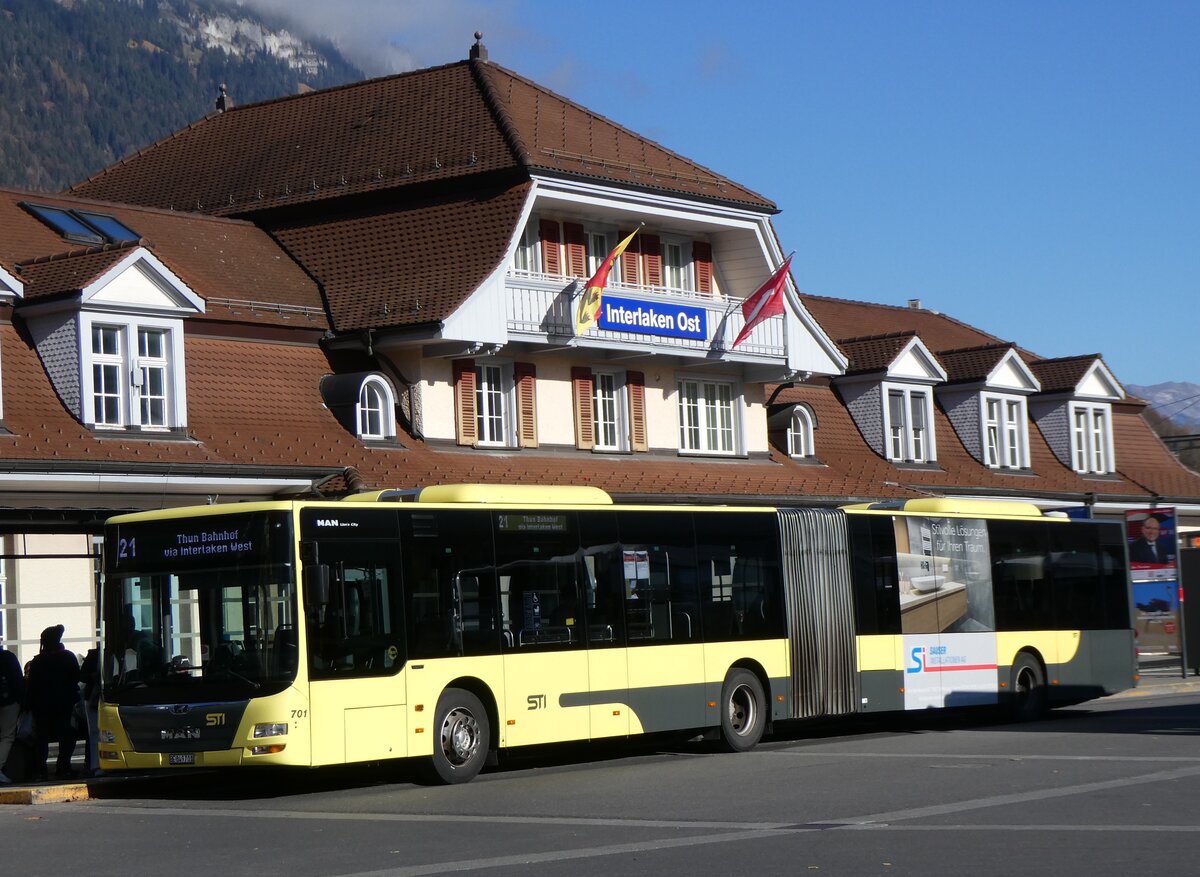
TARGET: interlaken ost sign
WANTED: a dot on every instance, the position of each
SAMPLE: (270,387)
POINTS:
(653,318)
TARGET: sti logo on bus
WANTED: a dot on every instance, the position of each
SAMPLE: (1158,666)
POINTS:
(920,658)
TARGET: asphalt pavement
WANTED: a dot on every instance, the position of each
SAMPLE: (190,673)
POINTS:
(1159,676)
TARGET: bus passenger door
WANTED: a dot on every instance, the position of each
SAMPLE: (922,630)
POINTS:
(355,655)
(608,669)
(546,660)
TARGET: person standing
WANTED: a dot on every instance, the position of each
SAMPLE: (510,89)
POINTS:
(12,694)
(52,690)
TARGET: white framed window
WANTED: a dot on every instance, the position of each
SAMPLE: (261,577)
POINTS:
(494,404)
(907,418)
(527,255)
(610,411)
(1091,439)
(108,368)
(132,373)
(598,247)
(152,371)
(800,433)
(1006,432)
(707,420)
(376,410)
(677,264)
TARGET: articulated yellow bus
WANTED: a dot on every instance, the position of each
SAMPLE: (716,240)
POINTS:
(450,623)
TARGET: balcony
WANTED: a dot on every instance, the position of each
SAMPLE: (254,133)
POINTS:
(541,309)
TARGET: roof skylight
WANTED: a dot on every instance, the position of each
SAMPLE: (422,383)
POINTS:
(83,225)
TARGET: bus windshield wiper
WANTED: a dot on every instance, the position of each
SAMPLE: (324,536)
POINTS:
(229,671)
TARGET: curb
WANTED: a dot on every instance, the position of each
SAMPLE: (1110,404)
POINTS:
(44,794)
(1160,688)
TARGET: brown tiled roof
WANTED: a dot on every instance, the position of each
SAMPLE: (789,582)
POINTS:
(441,123)
(1145,460)
(843,318)
(872,353)
(275,421)
(557,135)
(1144,463)
(972,363)
(67,273)
(1062,374)
(410,265)
(227,262)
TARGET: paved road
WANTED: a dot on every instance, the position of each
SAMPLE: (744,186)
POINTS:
(1108,788)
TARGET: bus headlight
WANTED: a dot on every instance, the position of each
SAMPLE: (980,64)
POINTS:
(107,736)
(271,729)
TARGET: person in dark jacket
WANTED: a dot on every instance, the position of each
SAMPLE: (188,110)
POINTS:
(12,693)
(52,690)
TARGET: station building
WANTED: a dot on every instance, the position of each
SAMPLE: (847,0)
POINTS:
(377,285)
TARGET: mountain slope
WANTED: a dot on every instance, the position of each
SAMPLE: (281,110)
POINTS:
(1177,401)
(85,82)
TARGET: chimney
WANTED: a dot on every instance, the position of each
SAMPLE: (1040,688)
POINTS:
(479,50)
(914,304)
(224,101)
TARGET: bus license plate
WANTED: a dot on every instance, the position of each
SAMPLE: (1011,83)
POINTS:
(181,758)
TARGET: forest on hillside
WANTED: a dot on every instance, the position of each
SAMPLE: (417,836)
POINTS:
(86,82)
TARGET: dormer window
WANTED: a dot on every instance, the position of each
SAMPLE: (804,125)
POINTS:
(1006,432)
(376,410)
(1091,439)
(909,415)
(129,373)
(800,433)
(1074,411)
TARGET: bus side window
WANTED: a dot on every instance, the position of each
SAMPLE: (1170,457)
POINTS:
(874,573)
(450,578)
(740,584)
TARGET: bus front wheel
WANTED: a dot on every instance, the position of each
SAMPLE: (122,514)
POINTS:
(743,711)
(463,735)
(1028,689)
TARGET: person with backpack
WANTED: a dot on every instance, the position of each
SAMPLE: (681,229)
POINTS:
(12,694)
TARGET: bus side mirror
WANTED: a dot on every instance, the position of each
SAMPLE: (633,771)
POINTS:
(316,586)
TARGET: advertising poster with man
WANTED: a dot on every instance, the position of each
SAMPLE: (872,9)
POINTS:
(1153,549)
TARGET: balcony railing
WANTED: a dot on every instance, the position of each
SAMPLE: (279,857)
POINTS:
(541,308)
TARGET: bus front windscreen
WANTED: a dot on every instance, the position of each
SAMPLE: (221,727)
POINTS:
(198,608)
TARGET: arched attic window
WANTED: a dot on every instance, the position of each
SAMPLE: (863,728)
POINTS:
(800,432)
(375,412)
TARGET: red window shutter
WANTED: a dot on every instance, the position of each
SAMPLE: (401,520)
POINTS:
(630,259)
(702,259)
(652,259)
(576,249)
(636,383)
(467,425)
(585,421)
(551,256)
(525,377)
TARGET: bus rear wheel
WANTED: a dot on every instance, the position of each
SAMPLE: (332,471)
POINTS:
(1028,688)
(463,736)
(743,711)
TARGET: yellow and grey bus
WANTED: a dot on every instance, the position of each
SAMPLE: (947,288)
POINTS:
(449,623)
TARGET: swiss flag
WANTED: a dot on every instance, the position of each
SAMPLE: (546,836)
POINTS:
(767,301)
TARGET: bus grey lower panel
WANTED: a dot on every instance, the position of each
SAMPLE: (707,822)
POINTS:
(820,604)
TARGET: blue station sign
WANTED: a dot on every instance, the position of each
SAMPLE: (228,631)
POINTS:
(653,318)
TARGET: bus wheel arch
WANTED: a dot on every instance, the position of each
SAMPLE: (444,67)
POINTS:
(462,734)
(1028,694)
(744,707)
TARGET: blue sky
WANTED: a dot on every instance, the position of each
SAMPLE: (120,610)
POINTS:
(1027,167)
